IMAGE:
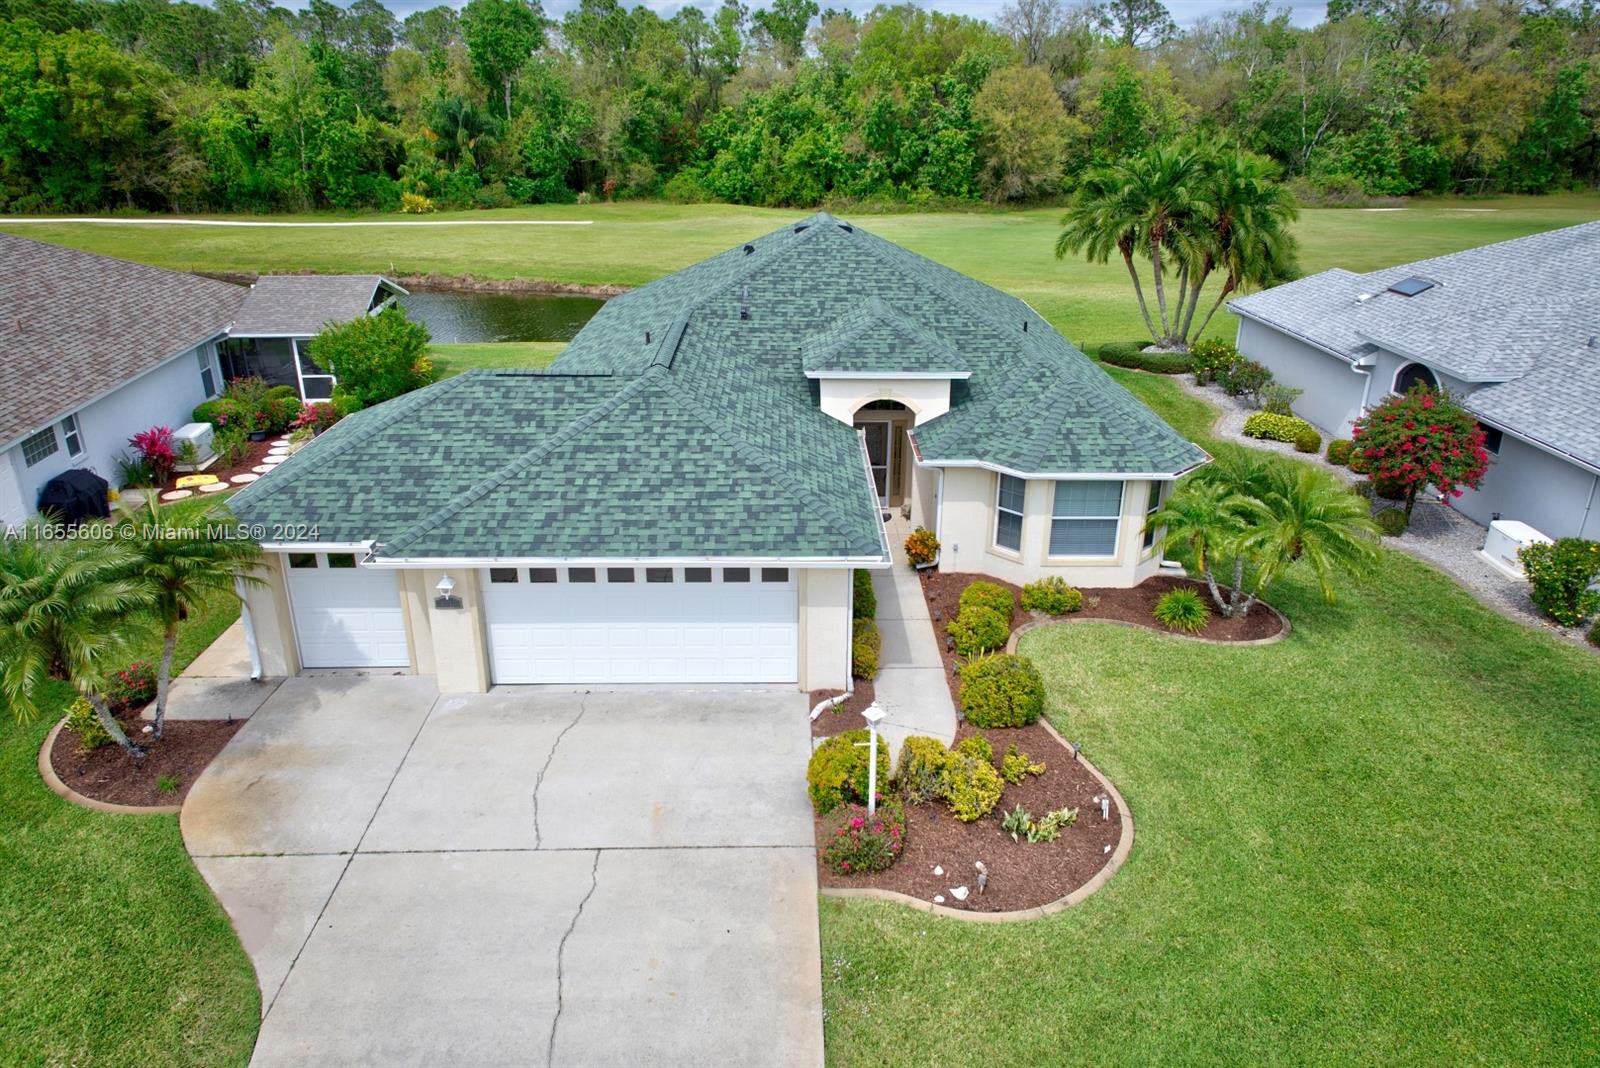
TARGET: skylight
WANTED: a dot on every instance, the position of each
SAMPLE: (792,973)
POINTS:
(1410,287)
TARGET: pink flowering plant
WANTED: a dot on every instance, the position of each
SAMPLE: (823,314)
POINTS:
(1423,437)
(155,447)
(861,843)
(131,687)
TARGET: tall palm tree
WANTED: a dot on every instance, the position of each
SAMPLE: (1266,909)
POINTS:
(69,608)
(186,558)
(1307,515)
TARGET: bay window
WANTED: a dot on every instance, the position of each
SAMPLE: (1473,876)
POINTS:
(1085,519)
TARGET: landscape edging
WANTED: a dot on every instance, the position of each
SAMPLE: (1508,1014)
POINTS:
(1037,912)
(47,772)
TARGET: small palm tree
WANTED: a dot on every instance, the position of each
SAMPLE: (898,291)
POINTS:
(1306,515)
(1207,518)
(69,608)
(186,557)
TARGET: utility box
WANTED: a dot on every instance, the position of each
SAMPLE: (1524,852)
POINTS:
(200,435)
(1506,538)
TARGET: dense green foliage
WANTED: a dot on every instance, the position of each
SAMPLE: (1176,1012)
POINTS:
(1287,428)
(864,601)
(838,771)
(1051,595)
(1001,691)
(920,774)
(240,105)
(977,630)
(972,786)
(1559,574)
(1182,609)
(1132,355)
(866,645)
(377,357)
(990,595)
(860,843)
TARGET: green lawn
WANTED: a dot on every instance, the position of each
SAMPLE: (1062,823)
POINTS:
(451,360)
(113,950)
(634,242)
(1371,843)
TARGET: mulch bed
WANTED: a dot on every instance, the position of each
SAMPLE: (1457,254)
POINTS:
(1021,875)
(845,717)
(256,452)
(108,774)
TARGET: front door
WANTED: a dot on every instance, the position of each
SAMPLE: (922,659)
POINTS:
(878,455)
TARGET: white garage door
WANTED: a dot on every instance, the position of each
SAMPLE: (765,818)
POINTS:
(344,615)
(642,624)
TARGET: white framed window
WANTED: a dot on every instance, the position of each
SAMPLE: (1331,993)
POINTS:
(1151,509)
(1009,495)
(208,374)
(39,446)
(72,435)
(1085,518)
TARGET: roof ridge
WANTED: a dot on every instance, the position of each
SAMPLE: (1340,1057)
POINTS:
(884,249)
(482,487)
(779,474)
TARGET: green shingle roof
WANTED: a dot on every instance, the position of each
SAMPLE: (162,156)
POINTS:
(874,339)
(680,422)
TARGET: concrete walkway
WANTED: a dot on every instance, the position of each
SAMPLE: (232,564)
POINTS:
(526,877)
(911,683)
(217,684)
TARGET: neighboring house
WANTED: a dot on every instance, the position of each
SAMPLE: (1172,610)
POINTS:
(283,312)
(94,350)
(682,495)
(1511,329)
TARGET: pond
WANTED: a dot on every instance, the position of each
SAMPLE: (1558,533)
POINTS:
(455,316)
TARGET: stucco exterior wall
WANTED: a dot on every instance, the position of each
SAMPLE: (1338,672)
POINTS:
(927,398)
(1541,490)
(271,619)
(968,527)
(825,628)
(12,509)
(460,650)
(924,497)
(1332,397)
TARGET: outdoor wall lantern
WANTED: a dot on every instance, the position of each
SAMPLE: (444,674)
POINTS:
(445,599)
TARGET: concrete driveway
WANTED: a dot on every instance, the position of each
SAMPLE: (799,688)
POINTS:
(526,877)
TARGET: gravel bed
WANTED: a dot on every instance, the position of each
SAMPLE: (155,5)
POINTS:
(1438,533)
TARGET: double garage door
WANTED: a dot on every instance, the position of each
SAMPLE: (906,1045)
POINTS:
(641,624)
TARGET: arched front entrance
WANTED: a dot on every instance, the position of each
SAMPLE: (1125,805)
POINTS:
(1414,374)
(884,424)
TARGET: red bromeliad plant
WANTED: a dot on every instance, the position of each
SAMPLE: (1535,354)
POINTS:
(155,448)
(1420,438)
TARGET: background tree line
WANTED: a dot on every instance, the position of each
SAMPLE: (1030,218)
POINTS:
(238,105)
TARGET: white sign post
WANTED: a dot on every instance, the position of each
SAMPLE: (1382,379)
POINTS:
(874,715)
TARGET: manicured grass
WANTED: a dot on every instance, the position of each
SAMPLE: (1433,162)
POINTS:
(631,243)
(451,360)
(1371,843)
(114,952)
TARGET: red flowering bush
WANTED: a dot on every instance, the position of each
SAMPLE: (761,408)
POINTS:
(156,449)
(1420,438)
(862,843)
(133,686)
(316,418)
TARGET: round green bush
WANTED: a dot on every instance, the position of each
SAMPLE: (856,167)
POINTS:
(1307,440)
(1183,609)
(1004,690)
(1274,427)
(1052,595)
(837,772)
(978,630)
(1559,578)
(990,595)
(921,771)
(1339,452)
(1392,521)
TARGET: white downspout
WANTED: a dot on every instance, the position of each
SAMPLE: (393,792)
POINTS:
(1366,387)
(1588,508)
(249,632)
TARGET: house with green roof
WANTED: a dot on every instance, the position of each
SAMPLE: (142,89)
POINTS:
(682,496)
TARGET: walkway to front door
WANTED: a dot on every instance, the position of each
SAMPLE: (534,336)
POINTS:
(911,684)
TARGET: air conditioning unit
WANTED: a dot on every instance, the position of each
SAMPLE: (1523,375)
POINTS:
(200,435)
(1506,538)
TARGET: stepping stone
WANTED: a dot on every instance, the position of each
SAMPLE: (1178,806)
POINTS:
(280,442)
(215,487)
(282,450)
(273,461)
(243,479)
(177,495)
(261,469)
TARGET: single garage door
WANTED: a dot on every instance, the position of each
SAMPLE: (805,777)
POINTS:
(344,615)
(642,624)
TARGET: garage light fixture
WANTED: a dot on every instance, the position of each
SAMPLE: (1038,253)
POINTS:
(446,587)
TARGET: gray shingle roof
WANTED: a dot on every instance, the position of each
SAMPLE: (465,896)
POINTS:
(873,338)
(74,325)
(1518,312)
(299,305)
(679,422)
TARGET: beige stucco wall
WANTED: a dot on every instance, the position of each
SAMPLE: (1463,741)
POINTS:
(824,603)
(268,602)
(460,651)
(967,535)
(927,398)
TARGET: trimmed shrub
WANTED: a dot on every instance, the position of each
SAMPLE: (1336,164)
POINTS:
(221,412)
(81,718)
(1184,610)
(1004,690)
(1276,427)
(921,547)
(978,630)
(972,787)
(990,595)
(865,603)
(1131,354)
(277,392)
(1559,575)
(863,843)
(1051,595)
(1392,521)
(837,772)
(1211,357)
(1245,378)
(1339,452)
(923,764)
(1017,765)
(865,646)
(1308,440)
(1359,463)
(376,357)
(976,746)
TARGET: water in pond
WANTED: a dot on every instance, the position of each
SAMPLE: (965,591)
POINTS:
(462,316)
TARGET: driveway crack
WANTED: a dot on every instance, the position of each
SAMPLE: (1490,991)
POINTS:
(561,950)
(538,780)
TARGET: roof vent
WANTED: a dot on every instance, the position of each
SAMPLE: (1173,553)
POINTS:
(647,337)
(1410,287)
(1024,326)
(801,227)
(744,301)
(749,249)
(847,228)
(1362,298)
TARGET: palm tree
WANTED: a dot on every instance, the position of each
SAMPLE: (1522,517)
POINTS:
(186,558)
(1307,515)
(1207,518)
(69,608)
